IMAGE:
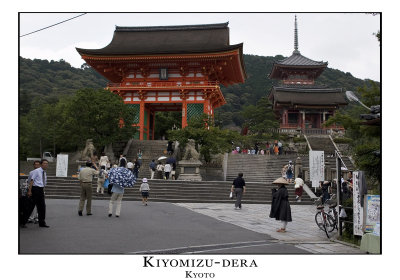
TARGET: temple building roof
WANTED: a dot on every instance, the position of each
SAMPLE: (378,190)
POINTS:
(312,96)
(296,59)
(179,39)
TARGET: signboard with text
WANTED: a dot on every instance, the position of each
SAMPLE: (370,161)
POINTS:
(62,166)
(357,208)
(317,167)
(372,213)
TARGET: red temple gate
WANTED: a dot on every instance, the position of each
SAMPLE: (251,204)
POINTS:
(169,68)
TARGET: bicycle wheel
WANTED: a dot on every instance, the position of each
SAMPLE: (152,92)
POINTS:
(319,220)
(322,224)
(334,216)
(330,223)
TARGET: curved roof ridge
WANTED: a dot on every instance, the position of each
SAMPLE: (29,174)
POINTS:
(171,27)
(296,59)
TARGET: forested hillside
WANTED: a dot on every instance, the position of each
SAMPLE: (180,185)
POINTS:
(50,80)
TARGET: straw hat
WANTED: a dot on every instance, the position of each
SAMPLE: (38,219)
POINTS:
(280,181)
(144,180)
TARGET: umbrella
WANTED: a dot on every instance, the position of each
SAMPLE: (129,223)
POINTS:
(161,158)
(122,177)
(171,160)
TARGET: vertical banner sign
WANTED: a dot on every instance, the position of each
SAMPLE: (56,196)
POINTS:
(317,167)
(62,166)
(373,213)
(357,209)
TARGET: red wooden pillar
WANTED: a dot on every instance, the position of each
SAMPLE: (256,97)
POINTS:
(206,105)
(148,124)
(184,109)
(154,121)
(141,121)
(285,117)
(299,119)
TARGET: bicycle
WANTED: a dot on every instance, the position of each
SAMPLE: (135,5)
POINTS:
(326,221)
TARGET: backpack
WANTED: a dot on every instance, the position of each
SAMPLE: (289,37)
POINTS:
(290,168)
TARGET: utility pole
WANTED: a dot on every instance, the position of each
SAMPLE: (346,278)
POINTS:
(338,189)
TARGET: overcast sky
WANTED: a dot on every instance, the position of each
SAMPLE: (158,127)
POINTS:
(344,40)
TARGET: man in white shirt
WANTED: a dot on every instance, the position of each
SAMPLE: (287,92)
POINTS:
(36,191)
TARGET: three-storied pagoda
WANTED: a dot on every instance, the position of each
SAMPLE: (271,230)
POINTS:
(169,68)
(297,101)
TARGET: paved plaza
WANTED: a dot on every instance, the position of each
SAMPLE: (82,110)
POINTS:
(302,232)
(175,228)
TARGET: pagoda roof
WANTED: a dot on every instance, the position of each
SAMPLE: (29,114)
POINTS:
(296,59)
(294,62)
(308,96)
(176,39)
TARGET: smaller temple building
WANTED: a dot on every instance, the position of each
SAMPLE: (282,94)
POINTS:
(298,102)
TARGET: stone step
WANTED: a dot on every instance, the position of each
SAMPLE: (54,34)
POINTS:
(173,191)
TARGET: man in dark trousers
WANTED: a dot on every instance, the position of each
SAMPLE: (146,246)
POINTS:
(85,177)
(36,191)
(239,187)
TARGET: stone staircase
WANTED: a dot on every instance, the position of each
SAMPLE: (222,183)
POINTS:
(324,143)
(321,143)
(259,173)
(151,149)
(257,168)
(173,191)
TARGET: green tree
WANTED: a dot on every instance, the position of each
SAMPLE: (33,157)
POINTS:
(260,118)
(164,121)
(34,129)
(365,138)
(97,114)
(67,124)
(209,139)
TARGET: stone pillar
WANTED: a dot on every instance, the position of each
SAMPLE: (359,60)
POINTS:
(298,168)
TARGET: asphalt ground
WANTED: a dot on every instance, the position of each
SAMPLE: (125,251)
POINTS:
(159,228)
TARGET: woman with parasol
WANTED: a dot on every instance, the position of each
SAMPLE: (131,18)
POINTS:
(280,207)
(121,178)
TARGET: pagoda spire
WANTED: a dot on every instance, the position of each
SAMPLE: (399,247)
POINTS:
(296,40)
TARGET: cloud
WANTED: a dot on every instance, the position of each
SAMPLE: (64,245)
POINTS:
(67,53)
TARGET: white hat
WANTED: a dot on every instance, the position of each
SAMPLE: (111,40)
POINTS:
(144,180)
(280,181)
